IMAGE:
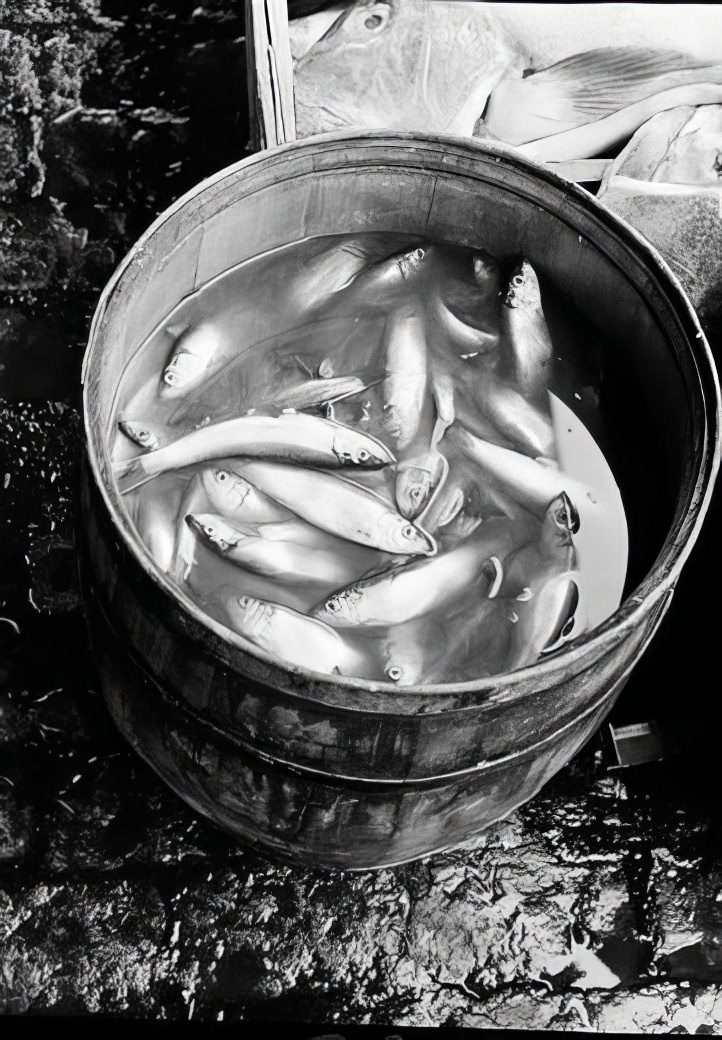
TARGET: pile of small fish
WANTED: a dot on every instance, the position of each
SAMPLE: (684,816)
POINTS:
(387,504)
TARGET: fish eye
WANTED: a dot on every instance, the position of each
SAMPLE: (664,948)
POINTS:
(210,531)
(373,21)
(333,605)
(518,279)
(394,673)
(170,378)
(408,531)
(363,455)
(220,475)
(244,601)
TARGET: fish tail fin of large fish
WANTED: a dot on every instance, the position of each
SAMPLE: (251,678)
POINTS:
(588,87)
(133,473)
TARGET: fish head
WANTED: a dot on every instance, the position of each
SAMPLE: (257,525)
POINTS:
(561,521)
(142,433)
(250,616)
(213,531)
(402,536)
(396,673)
(411,262)
(561,597)
(226,490)
(523,289)
(363,23)
(340,608)
(181,373)
(414,487)
(486,269)
(352,448)
(406,64)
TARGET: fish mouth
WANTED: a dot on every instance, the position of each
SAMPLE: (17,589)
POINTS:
(373,455)
(195,525)
(568,515)
(414,493)
(429,542)
(568,619)
(130,428)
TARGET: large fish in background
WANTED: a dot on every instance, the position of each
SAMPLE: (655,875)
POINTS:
(549,79)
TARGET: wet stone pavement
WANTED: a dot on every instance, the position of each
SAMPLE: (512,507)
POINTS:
(598,905)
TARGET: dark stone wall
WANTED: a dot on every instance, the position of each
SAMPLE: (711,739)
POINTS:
(597,906)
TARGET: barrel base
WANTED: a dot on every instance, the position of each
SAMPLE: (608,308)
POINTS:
(304,816)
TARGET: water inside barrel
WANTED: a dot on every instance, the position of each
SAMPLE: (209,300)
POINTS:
(369,456)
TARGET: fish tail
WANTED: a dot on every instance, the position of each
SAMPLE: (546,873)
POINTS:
(133,473)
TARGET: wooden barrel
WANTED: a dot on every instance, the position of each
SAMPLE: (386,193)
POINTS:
(354,773)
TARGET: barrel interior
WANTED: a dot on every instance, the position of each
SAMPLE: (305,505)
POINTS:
(605,304)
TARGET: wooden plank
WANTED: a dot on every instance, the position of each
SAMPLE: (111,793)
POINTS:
(583,171)
(270,73)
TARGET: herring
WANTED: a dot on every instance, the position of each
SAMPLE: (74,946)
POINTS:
(407,375)
(315,392)
(551,553)
(144,434)
(197,353)
(234,498)
(284,561)
(525,331)
(304,439)
(340,506)
(291,636)
(545,621)
(529,482)
(405,592)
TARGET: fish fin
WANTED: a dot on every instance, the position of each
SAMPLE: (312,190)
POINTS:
(449,95)
(184,556)
(302,364)
(133,473)
(587,87)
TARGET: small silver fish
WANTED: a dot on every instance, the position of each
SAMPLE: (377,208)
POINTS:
(551,553)
(144,434)
(416,479)
(384,284)
(528,350)
(304,439)
(291,637)
(317,391)
(530,483)
(155,518)
(406,386)
(195,497)
(526,425)
(548,620)
(284,561)
(326,275)
(235,498)
(196,354)
(409,591)
(341,507)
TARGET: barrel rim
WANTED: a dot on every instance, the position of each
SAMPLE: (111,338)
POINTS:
(662,576)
